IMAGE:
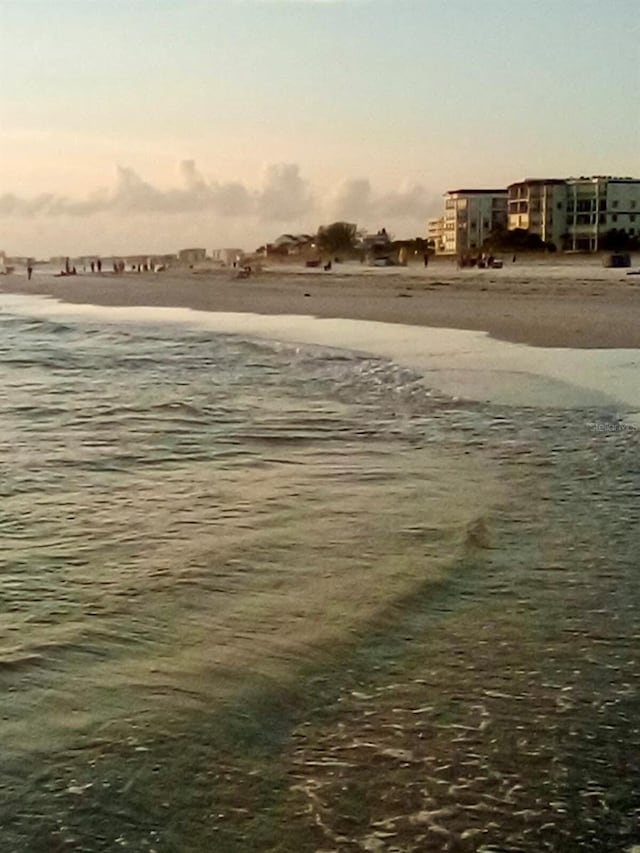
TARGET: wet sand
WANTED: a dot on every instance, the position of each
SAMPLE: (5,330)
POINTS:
(581,305)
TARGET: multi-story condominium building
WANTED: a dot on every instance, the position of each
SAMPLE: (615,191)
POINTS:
(572,213)
(575,213)
(540,207)
(469,218)
(598,205)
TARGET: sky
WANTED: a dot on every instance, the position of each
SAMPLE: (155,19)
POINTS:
(152,125)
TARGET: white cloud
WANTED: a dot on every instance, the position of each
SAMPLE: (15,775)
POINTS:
(355,200)
(285,195)
(134,214)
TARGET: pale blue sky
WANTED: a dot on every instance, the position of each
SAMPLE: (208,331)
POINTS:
(405,94)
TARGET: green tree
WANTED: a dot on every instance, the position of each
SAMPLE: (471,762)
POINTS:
(337,237)
(516,240)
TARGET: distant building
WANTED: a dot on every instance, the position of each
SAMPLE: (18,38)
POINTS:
(166,260)
(292,244)
(575,213)
(192,256)
(539,206)
(376,246)
(227,256)
(597,205)
(435,234)
(470,216)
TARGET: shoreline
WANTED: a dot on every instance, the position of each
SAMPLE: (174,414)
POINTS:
(583,307)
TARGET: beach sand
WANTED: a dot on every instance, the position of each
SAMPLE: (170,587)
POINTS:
(578,305)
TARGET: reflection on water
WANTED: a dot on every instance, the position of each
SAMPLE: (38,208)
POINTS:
(249,586)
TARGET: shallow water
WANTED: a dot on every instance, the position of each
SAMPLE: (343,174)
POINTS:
(250,585)
(181,511)
(467,364)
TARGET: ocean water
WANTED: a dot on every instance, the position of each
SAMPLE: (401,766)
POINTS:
(268,596)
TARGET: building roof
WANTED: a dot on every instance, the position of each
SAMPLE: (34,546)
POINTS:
(539,181)
(611,179)
(476,192)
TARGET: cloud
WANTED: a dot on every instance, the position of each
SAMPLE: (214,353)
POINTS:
(355,200)
(285,195)
(283,199)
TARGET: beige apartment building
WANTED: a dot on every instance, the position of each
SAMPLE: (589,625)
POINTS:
(469,218)
(540,207)
(572,213)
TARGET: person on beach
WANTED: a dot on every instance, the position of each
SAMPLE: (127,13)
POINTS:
(99,265)
(426,259)
(29,272)
(93,266)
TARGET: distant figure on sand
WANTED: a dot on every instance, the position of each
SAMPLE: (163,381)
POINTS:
(29,272)
(426,259)
(99,265)
(93,266)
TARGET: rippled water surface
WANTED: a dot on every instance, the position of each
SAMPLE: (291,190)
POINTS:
(266,597)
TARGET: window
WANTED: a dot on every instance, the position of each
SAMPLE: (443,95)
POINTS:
(602,219)
(485,224)
(559,205)
(632,217)
(633,205)
(614,204)
(614,217)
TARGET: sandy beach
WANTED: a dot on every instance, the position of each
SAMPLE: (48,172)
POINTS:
(580,305)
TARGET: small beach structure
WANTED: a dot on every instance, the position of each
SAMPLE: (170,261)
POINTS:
(192,256)
(227,257)
(617,260)
(378,249)
(292,244)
